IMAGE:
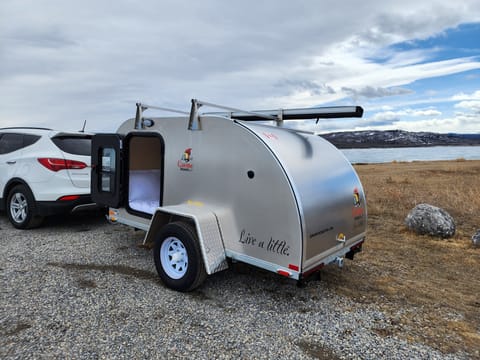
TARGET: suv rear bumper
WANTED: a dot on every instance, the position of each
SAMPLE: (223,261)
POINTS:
(47,208)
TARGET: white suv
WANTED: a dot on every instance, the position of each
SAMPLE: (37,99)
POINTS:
(43,172)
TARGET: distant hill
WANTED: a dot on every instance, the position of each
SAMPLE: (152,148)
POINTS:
(398,138)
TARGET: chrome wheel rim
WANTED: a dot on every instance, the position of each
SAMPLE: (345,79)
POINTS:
(19,207)
(174,257)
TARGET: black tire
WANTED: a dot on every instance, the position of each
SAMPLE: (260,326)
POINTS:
(21,208)
(178,257)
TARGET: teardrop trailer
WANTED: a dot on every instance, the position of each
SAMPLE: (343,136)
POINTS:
(218,186)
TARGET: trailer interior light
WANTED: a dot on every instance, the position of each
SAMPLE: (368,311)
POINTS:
(69,198)
(56,164)
(293,267)
(284,272)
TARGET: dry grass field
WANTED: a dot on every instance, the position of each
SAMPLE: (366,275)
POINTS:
(429,287)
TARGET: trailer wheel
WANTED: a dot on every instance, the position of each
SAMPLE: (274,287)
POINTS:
(178,258)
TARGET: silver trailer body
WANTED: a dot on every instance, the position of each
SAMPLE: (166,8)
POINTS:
(281,200)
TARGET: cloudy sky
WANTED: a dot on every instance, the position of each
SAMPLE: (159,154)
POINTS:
(412,65)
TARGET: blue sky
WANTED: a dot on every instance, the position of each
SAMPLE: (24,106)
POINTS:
(448,97)
(411,65)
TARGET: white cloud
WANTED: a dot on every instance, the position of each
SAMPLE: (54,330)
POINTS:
(465,122)
(474,96)
(375,92)
(65,62)
(472,105)
(427,112)
(387,116)
(409,120)
(393,115)
(350,74)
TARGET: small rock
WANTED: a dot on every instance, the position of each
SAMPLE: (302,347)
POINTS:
(427,219)
(476,238)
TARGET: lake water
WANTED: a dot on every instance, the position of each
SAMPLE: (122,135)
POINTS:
(412,154)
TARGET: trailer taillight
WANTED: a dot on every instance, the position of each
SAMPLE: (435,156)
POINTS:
(56,164)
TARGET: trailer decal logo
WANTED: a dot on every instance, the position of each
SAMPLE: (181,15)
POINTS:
(185,163)
(276,246)
(247,238)
(357,210)
(279,247)
(321,232)
(356,198)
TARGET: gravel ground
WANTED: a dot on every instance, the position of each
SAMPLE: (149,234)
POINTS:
(81,288)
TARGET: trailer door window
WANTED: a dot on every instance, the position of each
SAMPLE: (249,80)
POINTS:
(107,170)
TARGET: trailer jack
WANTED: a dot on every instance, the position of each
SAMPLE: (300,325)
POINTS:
(338,261)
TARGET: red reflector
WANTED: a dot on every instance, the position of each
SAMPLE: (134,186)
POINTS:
(55,164)
(284,272)
(293,267)
(69,198)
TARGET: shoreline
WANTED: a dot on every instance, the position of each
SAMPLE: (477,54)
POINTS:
(397,146)
(408,154)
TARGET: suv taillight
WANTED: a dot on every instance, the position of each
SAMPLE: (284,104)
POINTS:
(56,164)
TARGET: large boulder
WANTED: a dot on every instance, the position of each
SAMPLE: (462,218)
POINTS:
(476,238)
(427,219)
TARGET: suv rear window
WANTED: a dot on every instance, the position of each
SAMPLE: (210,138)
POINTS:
(74,144)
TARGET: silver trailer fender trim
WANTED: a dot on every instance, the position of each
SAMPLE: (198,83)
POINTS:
(206,225)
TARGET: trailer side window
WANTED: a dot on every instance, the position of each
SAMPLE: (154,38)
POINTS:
(107,170)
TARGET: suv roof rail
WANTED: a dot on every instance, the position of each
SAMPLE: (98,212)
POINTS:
(25,128)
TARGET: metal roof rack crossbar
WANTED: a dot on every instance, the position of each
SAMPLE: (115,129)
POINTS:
(278,116)
(140,121)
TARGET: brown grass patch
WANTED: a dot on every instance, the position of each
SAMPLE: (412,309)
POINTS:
(429,287)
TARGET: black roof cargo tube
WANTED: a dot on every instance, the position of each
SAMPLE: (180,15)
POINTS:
(301,114)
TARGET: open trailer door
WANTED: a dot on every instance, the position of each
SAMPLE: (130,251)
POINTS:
(107,172)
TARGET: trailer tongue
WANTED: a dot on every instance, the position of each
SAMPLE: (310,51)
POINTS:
(209,187)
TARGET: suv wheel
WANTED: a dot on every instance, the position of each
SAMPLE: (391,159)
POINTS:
(21,208)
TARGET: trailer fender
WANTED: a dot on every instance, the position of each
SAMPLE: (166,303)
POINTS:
(206,225)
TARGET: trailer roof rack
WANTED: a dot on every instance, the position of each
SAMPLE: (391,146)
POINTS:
(258,115)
